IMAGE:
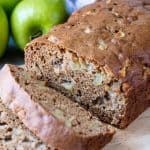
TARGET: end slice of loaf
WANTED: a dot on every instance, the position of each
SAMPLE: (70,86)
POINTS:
(14,135)
(100,58)
(55,119)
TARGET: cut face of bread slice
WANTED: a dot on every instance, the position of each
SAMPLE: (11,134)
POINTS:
(94,88)
(55,119)
(14,135)
(99,59)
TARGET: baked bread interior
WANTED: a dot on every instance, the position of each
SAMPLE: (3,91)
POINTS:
(14,135)
(55,119)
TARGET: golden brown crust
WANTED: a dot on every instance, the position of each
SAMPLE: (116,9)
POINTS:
(43,123)
(115,34)
(137,91)
(116,31)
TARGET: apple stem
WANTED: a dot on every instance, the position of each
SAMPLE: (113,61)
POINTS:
(37,34)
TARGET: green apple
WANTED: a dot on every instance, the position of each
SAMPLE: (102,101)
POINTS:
(8,5)
(4,31)
(32,18)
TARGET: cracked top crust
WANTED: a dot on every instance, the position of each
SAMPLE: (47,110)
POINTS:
(107,33)
(112,33)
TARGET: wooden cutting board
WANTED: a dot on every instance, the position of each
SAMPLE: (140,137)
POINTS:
(135,137)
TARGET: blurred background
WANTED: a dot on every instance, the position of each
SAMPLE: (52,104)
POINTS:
(23,20)
(13,55)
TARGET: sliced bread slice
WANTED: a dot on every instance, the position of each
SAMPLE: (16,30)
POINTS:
(55,119)
(14,135)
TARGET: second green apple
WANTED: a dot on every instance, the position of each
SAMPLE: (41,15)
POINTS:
(33,18)
(8,5)
(4,32)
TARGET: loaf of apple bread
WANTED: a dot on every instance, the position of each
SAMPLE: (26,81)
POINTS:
(100,58)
